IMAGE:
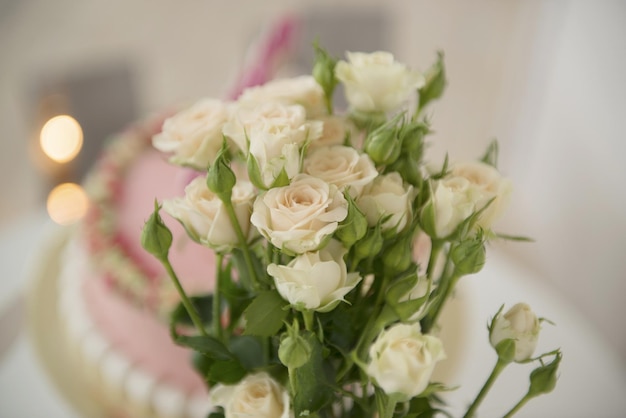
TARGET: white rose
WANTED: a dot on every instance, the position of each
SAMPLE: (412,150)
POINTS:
(376,82)
(265,130)
(203,214)
(486,183)
(402,359)
(342,166)
(519,324)
(257,395)
(301,216)
(315,280)
(302,90)
(334,131)
(387,195)
(194,135)
(452,201)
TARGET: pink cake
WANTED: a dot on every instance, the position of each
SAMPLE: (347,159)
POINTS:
(115,297)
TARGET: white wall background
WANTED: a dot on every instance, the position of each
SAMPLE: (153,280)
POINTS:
(546,78)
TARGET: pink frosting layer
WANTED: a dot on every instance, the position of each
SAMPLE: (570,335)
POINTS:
(150,177)
(138,334)
(142,339)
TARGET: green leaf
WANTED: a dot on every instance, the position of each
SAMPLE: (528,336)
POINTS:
(207,345)
(219,414)
(227,372)
(203,305)
(312,391)
(201,363)
(265,315)
(248,351)
(236,297)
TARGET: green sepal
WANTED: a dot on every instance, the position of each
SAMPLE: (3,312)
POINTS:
(354,226)
(491,154)
(386,403)
(220,178)
(405,309)
(435,82)
(281,180)
(254,173)
(324,74)
(506,350)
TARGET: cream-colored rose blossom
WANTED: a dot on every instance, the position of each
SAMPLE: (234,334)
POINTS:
(257,395)
(266,129)
(342,166)
(387,195)
(376,82)
(194,135)
(520,324)
(486,183)
(203,214)
(302,90)
(334,132)
(402,359)
(301,216)
(452,201)
(315,280)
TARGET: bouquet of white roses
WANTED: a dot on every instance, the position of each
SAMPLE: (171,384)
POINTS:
(323,304)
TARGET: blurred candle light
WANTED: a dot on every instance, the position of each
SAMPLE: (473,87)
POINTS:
(67,203)
(61,138)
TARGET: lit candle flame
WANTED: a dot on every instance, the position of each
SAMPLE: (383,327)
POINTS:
(67,203)
(61,138)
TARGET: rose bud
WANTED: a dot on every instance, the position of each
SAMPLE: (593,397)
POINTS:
(520,325)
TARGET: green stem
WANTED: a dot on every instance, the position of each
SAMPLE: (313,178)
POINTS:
(435,249)
(446,286)
(243,242)
(292,380)
(329,104)
(191,310)
(518,406)
(308,319)
(217,312)
(498,368)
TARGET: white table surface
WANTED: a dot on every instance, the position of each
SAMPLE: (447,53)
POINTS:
(592,376)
